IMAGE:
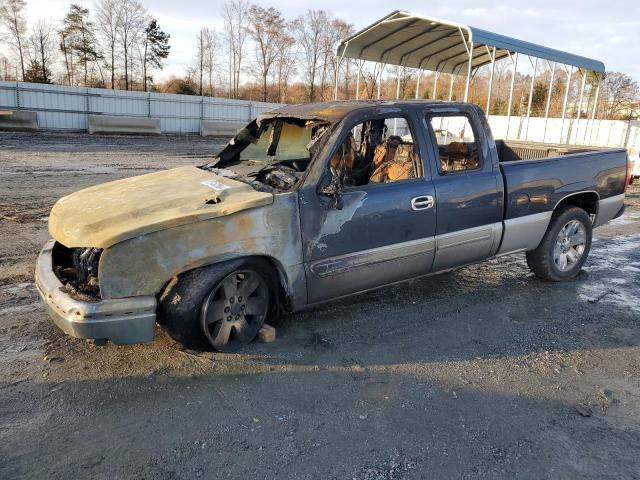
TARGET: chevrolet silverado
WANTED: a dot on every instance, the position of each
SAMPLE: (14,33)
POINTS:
(314,202)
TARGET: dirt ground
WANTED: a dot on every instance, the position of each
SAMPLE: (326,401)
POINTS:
(486,372)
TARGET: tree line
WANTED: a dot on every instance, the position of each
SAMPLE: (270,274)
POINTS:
(118,45)
(279,60)
(259,54)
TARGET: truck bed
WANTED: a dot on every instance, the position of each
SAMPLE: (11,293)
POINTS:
(538,176)
(510,151)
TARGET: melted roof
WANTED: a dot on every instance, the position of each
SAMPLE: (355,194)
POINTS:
(330,112)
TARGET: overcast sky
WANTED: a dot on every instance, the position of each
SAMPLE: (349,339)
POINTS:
(608,31)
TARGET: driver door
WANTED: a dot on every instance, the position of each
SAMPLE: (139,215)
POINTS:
(384,230)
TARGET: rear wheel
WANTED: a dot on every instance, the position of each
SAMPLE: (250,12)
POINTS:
(564,248)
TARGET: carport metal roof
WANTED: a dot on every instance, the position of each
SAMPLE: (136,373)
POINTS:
(427,43)
(418,41)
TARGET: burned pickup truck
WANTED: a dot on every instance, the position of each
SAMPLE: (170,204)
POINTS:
(310,203)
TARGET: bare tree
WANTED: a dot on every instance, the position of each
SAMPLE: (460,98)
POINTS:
(327,53)
(266,27)
(43,47)
(370,78)
(12,16)
(201,52)
(211,49)
(620,93)
(108,19)
(285,63)
(309,30)
(235,14)
(133,21)
(205,61)
(5,67)
(336,31)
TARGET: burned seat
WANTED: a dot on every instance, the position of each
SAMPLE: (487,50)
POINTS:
(393,160)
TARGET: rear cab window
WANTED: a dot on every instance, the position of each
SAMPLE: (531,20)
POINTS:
(457,141)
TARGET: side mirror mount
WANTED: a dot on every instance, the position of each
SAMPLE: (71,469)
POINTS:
(334,189)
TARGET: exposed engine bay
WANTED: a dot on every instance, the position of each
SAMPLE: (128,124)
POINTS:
(271,155)
(77,269)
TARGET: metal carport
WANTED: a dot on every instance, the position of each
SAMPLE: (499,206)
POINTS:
(427,43)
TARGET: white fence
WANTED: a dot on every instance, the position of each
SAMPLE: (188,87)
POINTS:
(611,133)
(67,108)
(606,133)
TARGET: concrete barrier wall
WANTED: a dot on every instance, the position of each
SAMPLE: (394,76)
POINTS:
(19,120)
(220,128)
(123,125)
(62,107)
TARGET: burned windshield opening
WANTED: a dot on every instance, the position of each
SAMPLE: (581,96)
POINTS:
(271,155)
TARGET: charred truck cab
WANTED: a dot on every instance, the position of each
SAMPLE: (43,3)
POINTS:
(310,203)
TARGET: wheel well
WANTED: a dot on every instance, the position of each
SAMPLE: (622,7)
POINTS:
(279,278)
(588,201)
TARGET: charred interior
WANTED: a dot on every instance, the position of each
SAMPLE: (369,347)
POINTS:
(271,155)
(376,151)
(77,269)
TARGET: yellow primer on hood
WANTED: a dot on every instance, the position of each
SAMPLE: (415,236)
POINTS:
(106,214)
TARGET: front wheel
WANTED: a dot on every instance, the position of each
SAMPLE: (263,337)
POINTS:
(564,247)
(235,310)
(224,305)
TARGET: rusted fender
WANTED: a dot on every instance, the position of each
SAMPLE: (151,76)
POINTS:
(144,264)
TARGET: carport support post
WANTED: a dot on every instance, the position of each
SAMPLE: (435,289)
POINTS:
(513,80)
(584,81)
(380,79)
(453,79)
(395,120)
(360,63)
(435,84)
(564,102)
(418,83)
(593,112)
(468,84)
(493,68)
(546,108)
(337,75)
(533,79)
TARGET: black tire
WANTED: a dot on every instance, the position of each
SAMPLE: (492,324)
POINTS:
(545,263)
(184,303)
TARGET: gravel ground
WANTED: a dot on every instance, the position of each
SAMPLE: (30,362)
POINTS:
(486,372)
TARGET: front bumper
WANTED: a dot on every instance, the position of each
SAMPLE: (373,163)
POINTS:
(122,321)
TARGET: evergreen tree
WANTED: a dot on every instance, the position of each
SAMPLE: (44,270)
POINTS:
(79,39)
(156,49)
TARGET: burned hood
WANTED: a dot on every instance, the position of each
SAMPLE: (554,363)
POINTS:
(107,214)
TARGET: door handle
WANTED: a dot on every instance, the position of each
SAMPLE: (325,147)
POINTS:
(422,203)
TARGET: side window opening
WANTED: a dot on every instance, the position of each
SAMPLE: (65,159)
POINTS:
(457,143)
(377,151)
